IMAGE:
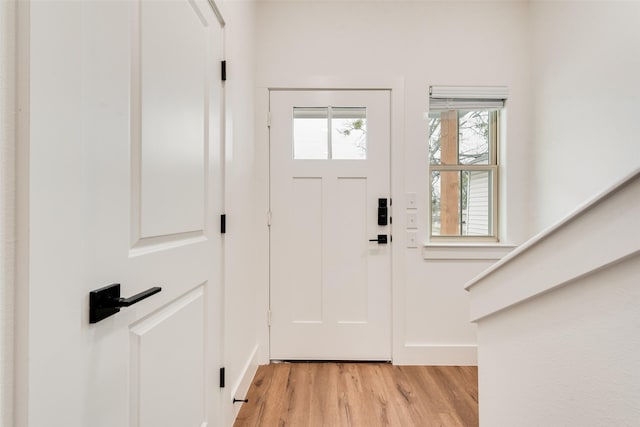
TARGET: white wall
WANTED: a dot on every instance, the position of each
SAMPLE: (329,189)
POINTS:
(586,63)
(567,358)
(419,44)
(240,343)
(578,339)
(7,205)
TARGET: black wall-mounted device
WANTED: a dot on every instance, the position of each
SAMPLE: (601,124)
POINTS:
(383,212)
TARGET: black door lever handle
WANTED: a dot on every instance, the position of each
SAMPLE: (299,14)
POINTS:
(126,302)
(106,301)
(382,239)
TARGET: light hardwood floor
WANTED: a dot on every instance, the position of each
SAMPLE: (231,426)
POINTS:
(361,394)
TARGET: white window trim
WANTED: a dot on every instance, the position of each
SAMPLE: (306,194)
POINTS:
(466,251)
(444,93)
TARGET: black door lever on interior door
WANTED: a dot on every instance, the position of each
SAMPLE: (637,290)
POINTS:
(105,302)
(382,239)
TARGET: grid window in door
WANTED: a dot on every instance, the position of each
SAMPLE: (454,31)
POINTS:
(336,133)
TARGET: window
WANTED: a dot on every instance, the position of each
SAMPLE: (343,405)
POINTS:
(463,162)
(338,133)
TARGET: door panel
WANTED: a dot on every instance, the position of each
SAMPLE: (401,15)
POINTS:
(171,337)
(173,107)
(306,231)
(350,257)
(330,286)
(125,186)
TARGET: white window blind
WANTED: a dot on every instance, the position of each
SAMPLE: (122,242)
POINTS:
(467,97)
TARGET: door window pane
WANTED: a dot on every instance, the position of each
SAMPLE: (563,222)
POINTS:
(349,133)
(310,133)
(347,140)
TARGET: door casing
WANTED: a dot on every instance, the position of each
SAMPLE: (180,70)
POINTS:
(395,84)
(334,331)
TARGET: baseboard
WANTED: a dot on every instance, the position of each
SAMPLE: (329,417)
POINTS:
(241,387)
(436,355)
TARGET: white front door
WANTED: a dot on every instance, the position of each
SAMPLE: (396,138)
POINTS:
(330,285)
(122,178)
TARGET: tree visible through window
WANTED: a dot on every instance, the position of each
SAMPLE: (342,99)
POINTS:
(329,133)
(463,171)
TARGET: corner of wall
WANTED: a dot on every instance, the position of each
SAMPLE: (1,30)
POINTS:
(242,346)
(585,65)
(241,386)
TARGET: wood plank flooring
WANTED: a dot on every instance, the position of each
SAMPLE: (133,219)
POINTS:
(361,394)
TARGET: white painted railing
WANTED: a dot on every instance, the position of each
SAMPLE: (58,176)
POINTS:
(559,321)
(597,234)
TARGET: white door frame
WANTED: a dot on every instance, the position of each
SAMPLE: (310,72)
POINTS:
(337,331)
(395,84)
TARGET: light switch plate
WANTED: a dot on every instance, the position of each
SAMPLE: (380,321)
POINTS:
(412,239)
(412,203)
(412,220)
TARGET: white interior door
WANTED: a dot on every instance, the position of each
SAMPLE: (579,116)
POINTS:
(330,285)
(123,178)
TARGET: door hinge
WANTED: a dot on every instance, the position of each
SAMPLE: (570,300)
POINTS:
(269,318)
(269,119)
(268,218)
(223,71)
(223,223)
(222,377)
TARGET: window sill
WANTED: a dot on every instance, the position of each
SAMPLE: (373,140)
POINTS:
(463,251)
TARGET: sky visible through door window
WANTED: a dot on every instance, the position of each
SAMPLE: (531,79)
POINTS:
(346,141)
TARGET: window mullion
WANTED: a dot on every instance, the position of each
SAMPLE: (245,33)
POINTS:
(329,134)
(493,135)
(460,201)
(453,168)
